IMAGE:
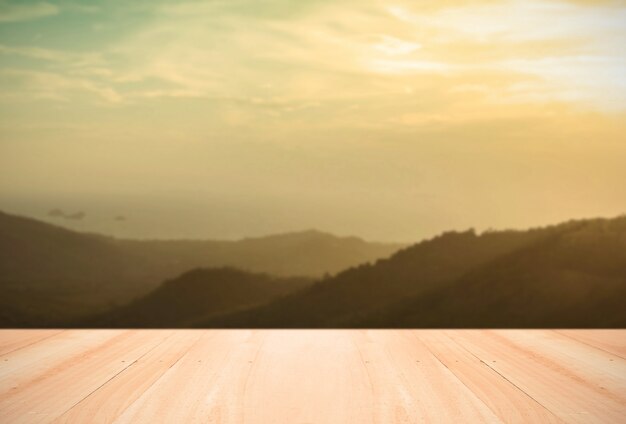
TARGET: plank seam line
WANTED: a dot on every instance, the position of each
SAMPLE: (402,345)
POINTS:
(249,373)
(32,343)
(115,375)
(254,361)
(504,377)
(459,379)
(367,370)
(161,376)
(587,344)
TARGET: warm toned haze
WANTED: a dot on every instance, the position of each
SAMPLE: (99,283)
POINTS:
(391,120)
(312,211)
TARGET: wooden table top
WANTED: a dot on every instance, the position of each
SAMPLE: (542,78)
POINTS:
(312,376)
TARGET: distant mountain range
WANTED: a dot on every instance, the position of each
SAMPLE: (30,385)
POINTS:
(569,275)
(50,274)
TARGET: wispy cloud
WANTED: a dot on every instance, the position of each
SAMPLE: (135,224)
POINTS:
(343,53)
(312,52)
(16,12)
(52,86)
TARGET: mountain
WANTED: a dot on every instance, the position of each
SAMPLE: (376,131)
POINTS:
(49,274)
(571,278)
(567,275)
(307,253)
(570,275)
(198,295)
(33,252)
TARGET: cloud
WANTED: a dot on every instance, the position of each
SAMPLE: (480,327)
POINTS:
(53,86)
(277,60)
(35,53)
(60,74)
(71,61)
(14,12)
(77,6)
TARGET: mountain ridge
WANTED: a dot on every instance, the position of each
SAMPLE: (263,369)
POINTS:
(198,294)
(49,274)
(538,265)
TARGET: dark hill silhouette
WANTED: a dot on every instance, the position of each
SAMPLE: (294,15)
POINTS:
(49,274)
(570,278)
(570,275)
(198,295)
(33,252)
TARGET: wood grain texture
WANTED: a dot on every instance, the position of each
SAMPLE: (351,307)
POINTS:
(312,376)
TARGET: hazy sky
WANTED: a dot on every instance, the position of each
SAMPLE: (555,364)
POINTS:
(391,120)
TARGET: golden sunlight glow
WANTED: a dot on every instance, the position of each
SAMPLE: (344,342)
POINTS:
(392,120)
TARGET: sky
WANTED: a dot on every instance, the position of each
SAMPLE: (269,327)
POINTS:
(389,120)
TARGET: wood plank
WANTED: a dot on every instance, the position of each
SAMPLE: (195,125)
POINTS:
(586,364)
(320,376)
(55,353)
(108,402)
(196,388)
(612,341)
(284,376)
(506,400)
(411,385)
(554,385)
(49,394)
(306,377)
(12,340)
